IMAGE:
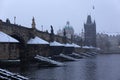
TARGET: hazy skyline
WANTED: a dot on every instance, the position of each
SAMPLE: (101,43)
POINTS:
(57,12)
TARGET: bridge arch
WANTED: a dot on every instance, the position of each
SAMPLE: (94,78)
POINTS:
(18,37)
(23,55)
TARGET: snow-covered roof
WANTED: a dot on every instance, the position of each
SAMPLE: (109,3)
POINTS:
(55,44)
(98,48)
(6,38)
(75,45)
(37,40)
(68,45)
(88,47)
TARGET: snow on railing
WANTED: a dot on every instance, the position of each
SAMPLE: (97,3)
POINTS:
(3,78)
(10,75)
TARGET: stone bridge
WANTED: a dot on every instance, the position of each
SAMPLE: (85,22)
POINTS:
(23,34)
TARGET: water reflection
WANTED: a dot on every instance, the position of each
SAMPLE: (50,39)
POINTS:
(102,67)
(108,67)
(90,69)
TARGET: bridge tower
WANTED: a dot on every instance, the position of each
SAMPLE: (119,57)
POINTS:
(90,32)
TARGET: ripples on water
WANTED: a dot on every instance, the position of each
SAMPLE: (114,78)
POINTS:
(101,67)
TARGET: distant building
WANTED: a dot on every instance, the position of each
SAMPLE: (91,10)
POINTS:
(60,32)
(90,32)
(69,30)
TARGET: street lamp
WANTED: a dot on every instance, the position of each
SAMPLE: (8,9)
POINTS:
(15,20)
(42,27)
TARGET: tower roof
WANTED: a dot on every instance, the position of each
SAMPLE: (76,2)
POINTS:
(89,21)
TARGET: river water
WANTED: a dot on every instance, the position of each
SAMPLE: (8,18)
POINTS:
(101,67)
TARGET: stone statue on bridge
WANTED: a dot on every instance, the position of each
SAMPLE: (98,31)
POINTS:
(52,34)
(33,33)
(64,33)
(33,23)
(7,21)
(52,31)
(64,37)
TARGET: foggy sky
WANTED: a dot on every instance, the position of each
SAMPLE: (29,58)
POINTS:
(57,12)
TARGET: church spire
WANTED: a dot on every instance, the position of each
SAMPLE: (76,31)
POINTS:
(89,21)
(33,23)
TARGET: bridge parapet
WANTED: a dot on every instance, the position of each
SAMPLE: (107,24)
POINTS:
(23,34)
(17,31)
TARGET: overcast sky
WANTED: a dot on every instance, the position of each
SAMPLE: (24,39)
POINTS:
(57,12)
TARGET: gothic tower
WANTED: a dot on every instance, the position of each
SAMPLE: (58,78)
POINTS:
(90,32)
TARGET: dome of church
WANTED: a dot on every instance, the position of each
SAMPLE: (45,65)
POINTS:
(69,29)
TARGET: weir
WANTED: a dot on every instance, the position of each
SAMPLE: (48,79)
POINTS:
(67,57)
(6,75)
(75,55)
(48,62)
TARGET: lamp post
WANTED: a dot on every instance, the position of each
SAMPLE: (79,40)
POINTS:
(42,27)
(15,20)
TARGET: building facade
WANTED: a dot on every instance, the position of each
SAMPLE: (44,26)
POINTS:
(69,30)
(90,32)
